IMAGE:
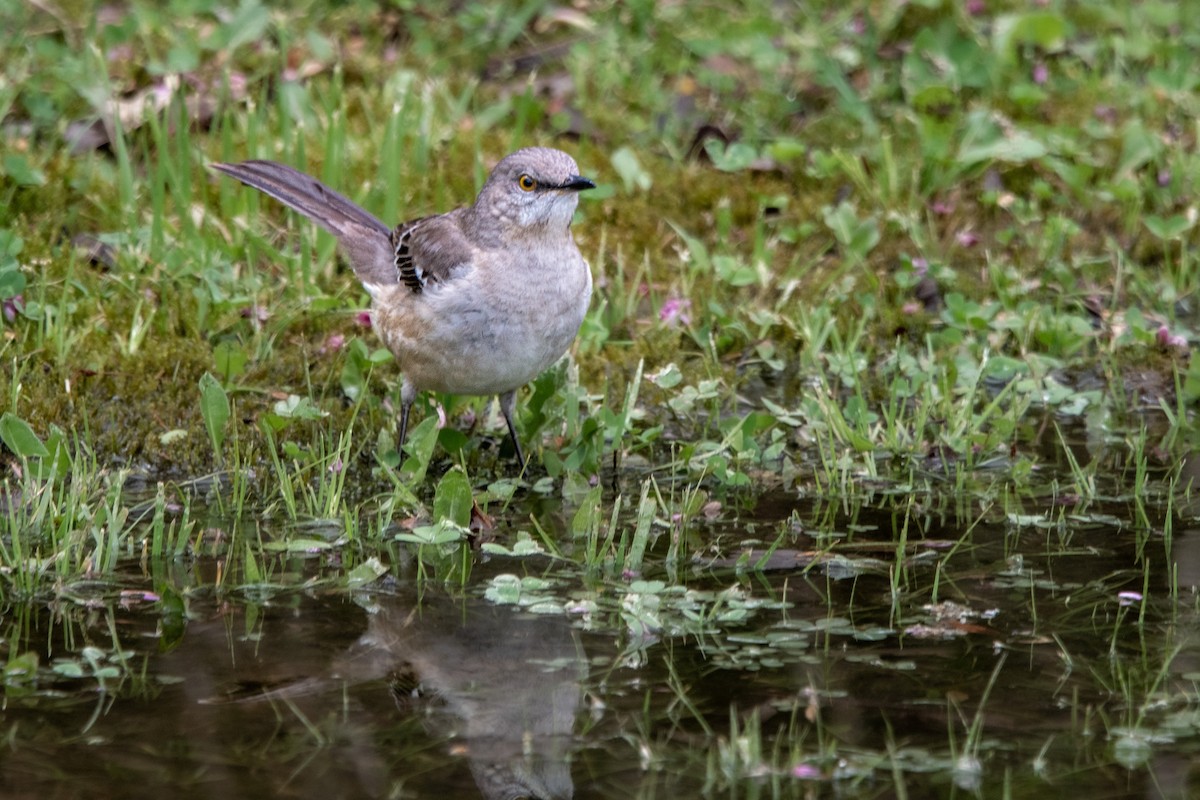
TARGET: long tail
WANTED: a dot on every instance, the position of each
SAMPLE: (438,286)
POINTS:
(366,240)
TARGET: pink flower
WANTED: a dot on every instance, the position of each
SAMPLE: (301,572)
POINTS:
(13,306)
(333,343)
(1041,73)
(674,310)
(363,319)
(1169,341)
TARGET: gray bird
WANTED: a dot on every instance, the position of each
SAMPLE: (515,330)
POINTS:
(477,301)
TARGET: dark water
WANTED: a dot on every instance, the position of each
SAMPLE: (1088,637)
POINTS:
(836,669)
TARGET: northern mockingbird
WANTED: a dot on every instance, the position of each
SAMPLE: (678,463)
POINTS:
(475,301)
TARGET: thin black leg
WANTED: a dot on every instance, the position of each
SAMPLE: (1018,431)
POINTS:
(508,405)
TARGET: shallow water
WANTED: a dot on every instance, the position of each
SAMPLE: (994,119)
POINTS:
(916,642)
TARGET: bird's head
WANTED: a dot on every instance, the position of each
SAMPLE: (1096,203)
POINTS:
(533,188)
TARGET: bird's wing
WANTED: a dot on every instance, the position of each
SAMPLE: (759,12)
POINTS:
(431,250)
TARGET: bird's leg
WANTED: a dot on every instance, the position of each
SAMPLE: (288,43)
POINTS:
(508,406)
(408,393)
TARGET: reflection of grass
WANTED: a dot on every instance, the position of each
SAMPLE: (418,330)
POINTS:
(1150,710)
(968,764)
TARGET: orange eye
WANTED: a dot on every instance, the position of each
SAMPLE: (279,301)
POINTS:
(526,183)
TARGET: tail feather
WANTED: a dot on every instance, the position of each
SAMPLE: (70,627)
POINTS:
(366,240)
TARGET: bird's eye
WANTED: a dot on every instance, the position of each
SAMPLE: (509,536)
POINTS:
(526,183)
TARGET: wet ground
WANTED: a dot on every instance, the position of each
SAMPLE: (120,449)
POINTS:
(920,644)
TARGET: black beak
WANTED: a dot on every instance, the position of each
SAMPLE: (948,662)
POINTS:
(577,183)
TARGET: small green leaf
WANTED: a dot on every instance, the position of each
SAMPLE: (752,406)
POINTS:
(296,407)
(21,172)
(380,356)
(214,408)
(59,462)
(666,378)
(1139,146)
(733,157)
(230,360)
(12,282)
(68,669)
(250,568)
(419,444)
(365,573)
(21,668)
(588,516)
(20,438)
(504,590)
(1168,228)
(858,237)
(1043,29)
(734,271)
(641,534)
(443,532)
(1015,147)
(526,546)
(452,499)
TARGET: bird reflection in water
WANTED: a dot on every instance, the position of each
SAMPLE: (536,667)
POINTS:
(502,685)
